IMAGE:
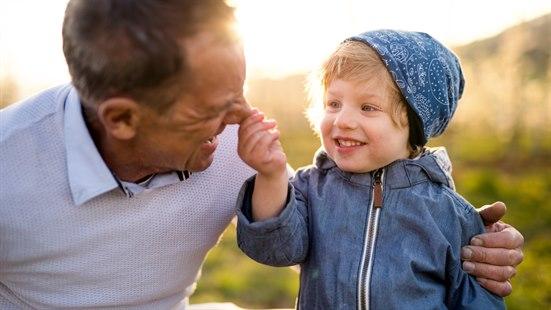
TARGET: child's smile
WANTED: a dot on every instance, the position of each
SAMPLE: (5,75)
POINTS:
(345,145)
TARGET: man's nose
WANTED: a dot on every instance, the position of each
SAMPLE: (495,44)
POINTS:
(237,113)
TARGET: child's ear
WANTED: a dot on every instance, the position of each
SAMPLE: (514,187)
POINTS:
(120,117)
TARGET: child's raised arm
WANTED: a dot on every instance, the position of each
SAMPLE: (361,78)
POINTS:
(259,147)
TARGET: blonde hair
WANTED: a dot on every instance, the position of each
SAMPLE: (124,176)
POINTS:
(353,61)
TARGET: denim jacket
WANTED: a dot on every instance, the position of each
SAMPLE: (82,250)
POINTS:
(389,239)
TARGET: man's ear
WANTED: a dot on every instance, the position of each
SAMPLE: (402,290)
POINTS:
(120,117)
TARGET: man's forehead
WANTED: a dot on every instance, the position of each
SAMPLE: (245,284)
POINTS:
(206,43)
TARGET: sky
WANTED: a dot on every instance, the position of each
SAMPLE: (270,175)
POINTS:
(281,36)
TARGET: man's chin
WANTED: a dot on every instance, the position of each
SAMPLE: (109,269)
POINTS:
(201,165)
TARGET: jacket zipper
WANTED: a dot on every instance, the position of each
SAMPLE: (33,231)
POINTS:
(369,241)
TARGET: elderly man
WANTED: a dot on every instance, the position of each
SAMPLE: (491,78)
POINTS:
(114,188)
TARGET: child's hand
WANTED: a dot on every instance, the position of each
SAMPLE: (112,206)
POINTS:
(259,145)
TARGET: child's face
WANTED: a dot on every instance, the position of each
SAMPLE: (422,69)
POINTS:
(357,130)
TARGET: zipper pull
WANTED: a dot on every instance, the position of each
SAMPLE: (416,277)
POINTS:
(378,189)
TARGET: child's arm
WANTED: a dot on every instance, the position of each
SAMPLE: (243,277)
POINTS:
(271,227)
(259,147)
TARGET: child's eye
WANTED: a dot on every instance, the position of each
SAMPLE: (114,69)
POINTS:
(369,108)
(333,105)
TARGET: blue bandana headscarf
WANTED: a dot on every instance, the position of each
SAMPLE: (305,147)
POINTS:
(427,73)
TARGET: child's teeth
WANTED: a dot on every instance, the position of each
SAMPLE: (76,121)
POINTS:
(349,143)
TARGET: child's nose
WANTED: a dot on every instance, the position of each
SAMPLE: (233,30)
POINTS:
(345,119)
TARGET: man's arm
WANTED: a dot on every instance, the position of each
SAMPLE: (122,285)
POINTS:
(493,256)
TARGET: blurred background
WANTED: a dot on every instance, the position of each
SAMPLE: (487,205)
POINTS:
(499,140)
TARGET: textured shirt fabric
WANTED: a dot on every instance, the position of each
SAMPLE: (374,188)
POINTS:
(71,238)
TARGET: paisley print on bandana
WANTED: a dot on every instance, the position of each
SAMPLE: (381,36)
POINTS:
(428,74)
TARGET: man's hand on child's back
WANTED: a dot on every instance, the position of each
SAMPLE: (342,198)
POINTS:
(493,256)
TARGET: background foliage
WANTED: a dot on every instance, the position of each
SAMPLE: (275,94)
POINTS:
(499,142)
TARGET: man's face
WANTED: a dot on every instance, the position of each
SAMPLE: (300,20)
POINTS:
(185,136)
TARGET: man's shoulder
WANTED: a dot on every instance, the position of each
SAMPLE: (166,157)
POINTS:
(32,143)
(26,113)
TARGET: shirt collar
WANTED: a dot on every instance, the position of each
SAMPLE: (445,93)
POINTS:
(155,181)
(89,176)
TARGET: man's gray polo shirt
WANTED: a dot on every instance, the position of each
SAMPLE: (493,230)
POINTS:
(71,238)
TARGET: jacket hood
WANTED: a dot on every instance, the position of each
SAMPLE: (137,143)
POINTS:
(433,163)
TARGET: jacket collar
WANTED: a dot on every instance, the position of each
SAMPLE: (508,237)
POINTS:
(433,165)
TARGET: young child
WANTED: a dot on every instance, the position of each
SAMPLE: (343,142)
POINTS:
(375,222)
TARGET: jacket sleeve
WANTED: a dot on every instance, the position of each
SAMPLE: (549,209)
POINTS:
(463,291)
(279,241)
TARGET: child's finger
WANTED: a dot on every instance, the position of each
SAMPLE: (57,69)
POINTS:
(253,128)
(251,120)
(253,132)
(255,117)
(260,141)
(262,146)
(266,145)
(265,128)
(251,144)
(255,124)
(246,134)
